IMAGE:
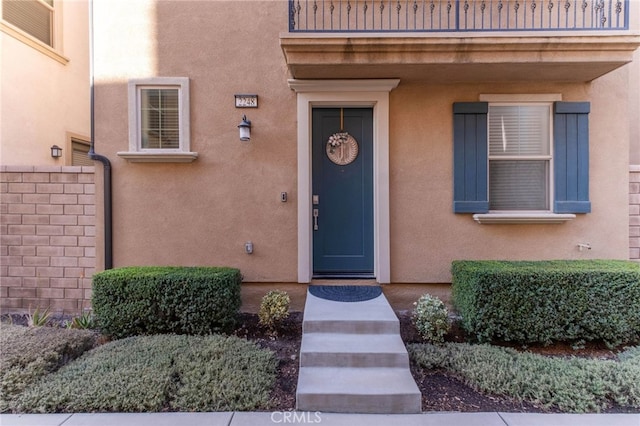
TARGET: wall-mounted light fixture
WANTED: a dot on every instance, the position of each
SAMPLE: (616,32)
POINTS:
(245,129)
(56,151)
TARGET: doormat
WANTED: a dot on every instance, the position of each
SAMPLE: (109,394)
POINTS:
(345,293)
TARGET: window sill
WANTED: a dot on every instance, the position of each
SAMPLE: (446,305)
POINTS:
(525,218)
(30,41)
(158,157)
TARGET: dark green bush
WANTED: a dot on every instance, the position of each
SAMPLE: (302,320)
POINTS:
(547,301)
(152,300)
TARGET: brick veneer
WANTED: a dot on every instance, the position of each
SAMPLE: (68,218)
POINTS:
(634,213)
(47,238)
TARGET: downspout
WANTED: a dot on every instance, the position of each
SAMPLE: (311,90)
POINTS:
(108,208)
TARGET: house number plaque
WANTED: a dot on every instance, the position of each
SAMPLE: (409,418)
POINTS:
(246,101)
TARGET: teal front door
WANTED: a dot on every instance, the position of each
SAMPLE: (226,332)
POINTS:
(342,145)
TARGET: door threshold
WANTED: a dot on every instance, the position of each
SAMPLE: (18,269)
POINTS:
(342,280)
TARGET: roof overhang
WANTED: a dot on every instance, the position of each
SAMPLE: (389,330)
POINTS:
(452,58)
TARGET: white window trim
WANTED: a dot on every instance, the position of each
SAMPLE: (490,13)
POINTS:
(136,153)
(55,51)
(521,218)
(526,217)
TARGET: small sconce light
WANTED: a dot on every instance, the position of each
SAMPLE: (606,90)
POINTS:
(245,129)
(56,151)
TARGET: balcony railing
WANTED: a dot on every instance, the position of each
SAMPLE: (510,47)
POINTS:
(457,15)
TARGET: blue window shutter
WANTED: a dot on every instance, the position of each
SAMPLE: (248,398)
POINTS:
(571,157)
(470,192)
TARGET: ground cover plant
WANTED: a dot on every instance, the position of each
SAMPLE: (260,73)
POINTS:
(158,373)
(30,353)
(568,384)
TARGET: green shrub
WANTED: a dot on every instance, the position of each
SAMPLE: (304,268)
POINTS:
(37,318)
(30,353)
(159,373)
(274,308)
(151,300)
(431,318)
(84,321)
(549,301)
(568,384)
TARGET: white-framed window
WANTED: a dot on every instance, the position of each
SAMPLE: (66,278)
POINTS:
(159,128)
(520,156)
(34,17)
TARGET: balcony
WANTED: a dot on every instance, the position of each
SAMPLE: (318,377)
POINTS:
(459,40)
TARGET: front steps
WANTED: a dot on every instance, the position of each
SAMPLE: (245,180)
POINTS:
(352,359)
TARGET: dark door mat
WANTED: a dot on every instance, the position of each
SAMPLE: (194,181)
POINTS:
(346,293)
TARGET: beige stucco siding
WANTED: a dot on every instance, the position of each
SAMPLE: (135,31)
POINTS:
(426,235)
(45,100)
(203,212)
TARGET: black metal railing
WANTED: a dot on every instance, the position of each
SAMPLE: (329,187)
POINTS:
(457,15)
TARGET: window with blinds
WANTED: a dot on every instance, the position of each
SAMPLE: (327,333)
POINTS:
(34,17)
(80,153)
(159,118)
(519,157)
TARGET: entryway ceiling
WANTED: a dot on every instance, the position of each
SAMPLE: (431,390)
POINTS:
(457,59)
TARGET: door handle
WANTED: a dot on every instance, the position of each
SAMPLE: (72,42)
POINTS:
(315,219)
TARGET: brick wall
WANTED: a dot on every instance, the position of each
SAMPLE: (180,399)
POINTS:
(47,238)
(634,213)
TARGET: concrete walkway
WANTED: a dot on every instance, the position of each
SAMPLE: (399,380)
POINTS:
(328,419)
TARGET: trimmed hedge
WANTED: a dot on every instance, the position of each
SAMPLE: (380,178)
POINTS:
(545,301)
(153,300)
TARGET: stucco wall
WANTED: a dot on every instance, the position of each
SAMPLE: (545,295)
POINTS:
(634,214)
(47,235)
(204,212)
(634,106)
(45,102)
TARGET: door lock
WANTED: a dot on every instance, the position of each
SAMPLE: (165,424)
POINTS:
(315,219)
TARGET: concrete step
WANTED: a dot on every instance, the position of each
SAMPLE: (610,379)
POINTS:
(353,350)
(357,390)
(368,317)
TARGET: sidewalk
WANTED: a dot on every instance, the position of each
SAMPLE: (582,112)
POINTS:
(330,419)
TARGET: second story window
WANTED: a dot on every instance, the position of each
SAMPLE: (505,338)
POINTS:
(34,17)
